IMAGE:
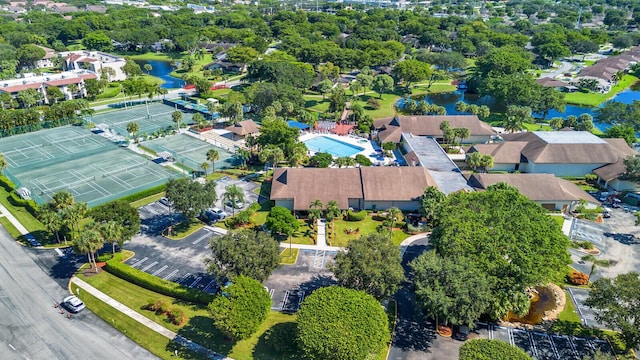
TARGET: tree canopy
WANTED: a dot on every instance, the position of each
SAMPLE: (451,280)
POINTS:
(616,304)
(120,212)
(280,220)
(372,264)
(243,253)
(507,237)
(240,308)
(342,324)
(190,197)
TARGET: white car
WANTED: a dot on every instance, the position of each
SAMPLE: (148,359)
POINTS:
(164,201)
(238,204)
(73,304)
(216,214)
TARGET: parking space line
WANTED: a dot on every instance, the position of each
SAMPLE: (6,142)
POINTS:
(572,346)
(300,300)
(553,346)
(149,266)
(271,292)
(184,278)
(155,273)
(211,284)
(196,281)
(139,262)
(533,344)
(196,241)
(284,301)
(170,275)
(512,341)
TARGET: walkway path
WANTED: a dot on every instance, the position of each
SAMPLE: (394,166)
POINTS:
(13,220)
(322,233)
(146,322)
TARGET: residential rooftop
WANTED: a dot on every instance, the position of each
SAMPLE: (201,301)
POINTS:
(568,137)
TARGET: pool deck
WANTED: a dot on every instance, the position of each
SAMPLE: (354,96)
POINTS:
(370,149)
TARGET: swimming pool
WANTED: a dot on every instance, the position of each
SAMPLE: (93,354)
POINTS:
(332,146)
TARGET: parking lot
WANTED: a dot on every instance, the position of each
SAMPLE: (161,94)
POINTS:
(181,261)
(290,284)
(579,296)
(246,185)
(543,346)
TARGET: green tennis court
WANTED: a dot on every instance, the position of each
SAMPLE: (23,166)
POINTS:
(189,151)
(158,117)
(93,169)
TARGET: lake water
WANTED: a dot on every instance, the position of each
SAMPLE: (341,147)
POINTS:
(449,100)
(162,69)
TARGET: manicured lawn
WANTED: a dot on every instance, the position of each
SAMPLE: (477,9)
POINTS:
(184,229)
(558,219)
(147,200)
(443,86)
(569,312)
(260,346)
(199,327)
(594,99)
(7,225)
(288,256)
(27,220)
(536,127)
(366,226)
(111,91)
(304,235)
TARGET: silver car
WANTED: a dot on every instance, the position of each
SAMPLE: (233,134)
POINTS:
(73,304)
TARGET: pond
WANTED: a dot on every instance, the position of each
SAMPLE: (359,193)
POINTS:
(162,69)
(542,301)
(449,100)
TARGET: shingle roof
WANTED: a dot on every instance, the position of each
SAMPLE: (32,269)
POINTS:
(243,128)
(615,170)
(537,187)
(62,82)
(507,152)
(565,147)
(429,125)
(16,88)
(305,185)
(549,82)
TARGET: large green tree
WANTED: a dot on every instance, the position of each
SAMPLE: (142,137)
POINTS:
(507,237)
(120,212)
(617,304)
(450,289)
(240,308)
(372,264)
(190,197)
(243,253)
(429,202)
(411,71)
(337,323)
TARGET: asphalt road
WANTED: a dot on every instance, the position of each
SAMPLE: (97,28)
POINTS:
(31,328)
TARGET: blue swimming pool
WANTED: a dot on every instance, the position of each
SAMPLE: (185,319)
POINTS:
(332,146)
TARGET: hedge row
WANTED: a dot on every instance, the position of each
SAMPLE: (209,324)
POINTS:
(356,216)
(153,283)
(15,199)
(145,193)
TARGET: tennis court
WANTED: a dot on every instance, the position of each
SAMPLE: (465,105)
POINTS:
(93,169)
(159,118)
(189,151)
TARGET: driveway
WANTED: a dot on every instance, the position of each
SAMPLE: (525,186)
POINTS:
(415,337)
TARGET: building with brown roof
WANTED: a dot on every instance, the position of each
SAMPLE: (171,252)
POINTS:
(556,84)
(550,192)
(240,130)
(40,83)
(606,71)
(371,188)
(391,129)
(613,176)
(562,153)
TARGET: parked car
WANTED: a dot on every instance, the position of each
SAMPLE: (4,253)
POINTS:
(238,204)
(164,201)
(461,333)
(73,304)
(606,213)
(215,214)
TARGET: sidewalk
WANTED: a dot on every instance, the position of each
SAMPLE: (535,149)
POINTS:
(285,244)
(13,220)
(146,322)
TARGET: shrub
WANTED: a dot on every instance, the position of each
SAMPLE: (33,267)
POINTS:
(388,146)
(150,282)
(588,245)
(144,193)
(7,184)
(485,349)
(30,205)
(363,160)
(176,316)
(373,103)
(578,278)
(356,216)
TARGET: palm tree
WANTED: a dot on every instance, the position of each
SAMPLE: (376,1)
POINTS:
(176,116)
(595,263)
(233,195)
(298,153)
(3,163)
(132,129)
(315,211)
(62,200)
(462,133)
(73,214)
(213,155)
(51,220)
(111,232)
(89,241)
(393,216)
(204,166)
(211,107)
(333,211)
(243,155)
(513,124)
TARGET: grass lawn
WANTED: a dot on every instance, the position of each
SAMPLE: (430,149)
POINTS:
(7,225)
(25,218)
(184,229)
(558,219)
(569,312)
(288,256)
(111,91)
(366,226)
(304,235)
(199,327)
(594,99)
(536,127)
(443,86)
(148,200)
